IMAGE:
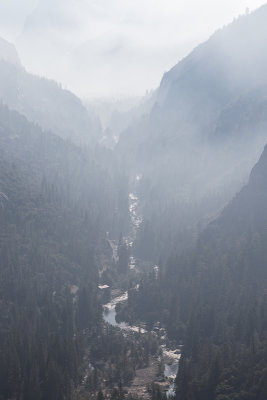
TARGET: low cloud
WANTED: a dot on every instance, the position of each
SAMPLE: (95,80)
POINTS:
(113,47)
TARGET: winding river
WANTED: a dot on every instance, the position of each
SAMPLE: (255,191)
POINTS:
(173,356)
(109,313)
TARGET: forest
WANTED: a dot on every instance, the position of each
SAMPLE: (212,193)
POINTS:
(133,256)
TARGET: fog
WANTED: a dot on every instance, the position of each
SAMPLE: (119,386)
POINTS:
(206,130)
(111,48)
(141,190)
(194,139)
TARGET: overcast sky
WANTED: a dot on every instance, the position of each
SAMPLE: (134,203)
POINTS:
(111,47)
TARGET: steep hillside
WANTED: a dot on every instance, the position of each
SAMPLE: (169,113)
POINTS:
(225,348)
(213,300)
(195,149)
(233,60)
(83,176)
(56,205)
(44,102)
(193,93)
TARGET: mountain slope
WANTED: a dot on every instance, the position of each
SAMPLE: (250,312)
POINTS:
(228,325)
(46,248)
(44,102)
(213,300)
(234,59)
(196,147)
(195,91)
(83,176)
(56,204)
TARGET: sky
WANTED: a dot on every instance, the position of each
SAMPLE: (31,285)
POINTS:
(111,48)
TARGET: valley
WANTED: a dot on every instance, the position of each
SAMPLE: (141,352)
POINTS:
(162,369)
(133,256)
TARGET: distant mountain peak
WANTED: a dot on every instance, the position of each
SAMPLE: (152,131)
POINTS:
(9,53)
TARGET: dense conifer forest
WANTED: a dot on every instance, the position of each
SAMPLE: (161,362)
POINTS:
(214,301)
(56,205)
(137,269)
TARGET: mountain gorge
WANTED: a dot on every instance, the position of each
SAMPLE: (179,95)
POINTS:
(204,133)
(115,259)
(214,301)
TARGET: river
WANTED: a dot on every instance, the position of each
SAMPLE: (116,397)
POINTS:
(172,357)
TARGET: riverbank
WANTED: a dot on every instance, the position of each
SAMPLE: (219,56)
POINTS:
(162,369)
(143,379)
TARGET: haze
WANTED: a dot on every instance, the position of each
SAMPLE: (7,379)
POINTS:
(133,230)
(111,48)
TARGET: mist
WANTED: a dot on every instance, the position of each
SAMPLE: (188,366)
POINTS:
(114,48)
(133,200)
